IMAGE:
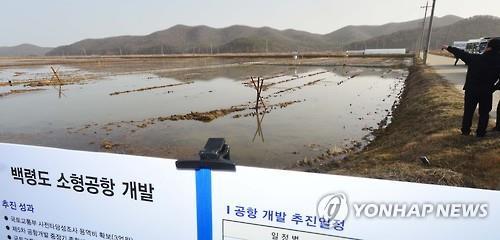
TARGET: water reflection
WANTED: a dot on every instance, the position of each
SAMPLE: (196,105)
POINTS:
(260,118)
(324,113)
(258,84)
(60,91)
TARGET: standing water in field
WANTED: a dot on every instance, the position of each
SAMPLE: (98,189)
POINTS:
(306,111)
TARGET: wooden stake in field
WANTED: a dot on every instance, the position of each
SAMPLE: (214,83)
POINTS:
(259,85)
(59,81)
(259,125)
(56,76)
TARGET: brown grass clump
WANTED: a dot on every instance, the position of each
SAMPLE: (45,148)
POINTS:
(202,116)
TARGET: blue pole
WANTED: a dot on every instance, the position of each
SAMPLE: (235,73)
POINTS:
(204,203)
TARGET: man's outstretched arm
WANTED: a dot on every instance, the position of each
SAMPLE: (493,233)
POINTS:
(459,53)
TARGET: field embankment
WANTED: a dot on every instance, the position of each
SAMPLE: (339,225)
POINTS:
(427,123)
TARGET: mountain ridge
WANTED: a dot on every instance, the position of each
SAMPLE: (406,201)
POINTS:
(24,49)
(236,38)
(348,33)
(463,30)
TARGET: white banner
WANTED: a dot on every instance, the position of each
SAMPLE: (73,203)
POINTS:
(61,194)
(260,204)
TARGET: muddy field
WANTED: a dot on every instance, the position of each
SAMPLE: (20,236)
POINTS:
(312,108)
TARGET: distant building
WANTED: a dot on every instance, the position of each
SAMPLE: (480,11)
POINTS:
(386,51)
(396,51)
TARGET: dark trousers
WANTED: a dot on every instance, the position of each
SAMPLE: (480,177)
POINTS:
(498,116)
(471,100)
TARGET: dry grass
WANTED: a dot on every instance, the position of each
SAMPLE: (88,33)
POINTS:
(427,124)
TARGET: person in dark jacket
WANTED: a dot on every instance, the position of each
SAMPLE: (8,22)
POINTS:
(482,74)
(497,127)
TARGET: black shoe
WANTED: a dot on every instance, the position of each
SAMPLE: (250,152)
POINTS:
(497,128)
(481,135)
(465,133)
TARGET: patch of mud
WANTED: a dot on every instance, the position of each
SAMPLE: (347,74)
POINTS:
(267,109)
(205,117)
(202,116)
(11,92)
(108,145)
(348,78)
(299,87)
(150,88)
(267,86)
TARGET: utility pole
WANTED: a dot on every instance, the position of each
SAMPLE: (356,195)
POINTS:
(420,43)
(430,31)
(267,46)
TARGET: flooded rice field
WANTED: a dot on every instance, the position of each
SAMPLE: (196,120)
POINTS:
(169,110)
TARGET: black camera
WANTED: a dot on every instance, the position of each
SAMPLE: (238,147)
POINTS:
(215,155)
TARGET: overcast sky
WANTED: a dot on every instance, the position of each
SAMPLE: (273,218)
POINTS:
(59,22)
